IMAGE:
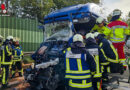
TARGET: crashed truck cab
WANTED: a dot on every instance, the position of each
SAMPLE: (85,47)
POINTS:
(59,27)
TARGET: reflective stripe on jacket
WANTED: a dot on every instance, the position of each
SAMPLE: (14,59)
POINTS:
(95,53)
(83,84)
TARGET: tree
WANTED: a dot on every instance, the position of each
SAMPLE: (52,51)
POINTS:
(39,8)
(31,8)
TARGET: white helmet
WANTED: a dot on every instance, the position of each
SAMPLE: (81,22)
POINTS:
(99,20)
(116,12)
(9,37)
(78,37)
(96,34)
(89,35)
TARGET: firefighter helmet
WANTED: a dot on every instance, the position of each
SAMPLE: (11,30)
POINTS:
(78,37)
(116,12)
(10,37)
(89,35)
(96,34)
(99,20)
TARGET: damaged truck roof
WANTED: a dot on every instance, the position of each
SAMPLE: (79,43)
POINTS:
(77,12)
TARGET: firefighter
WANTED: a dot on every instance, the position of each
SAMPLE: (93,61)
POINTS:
(100,26)
(17,59)
(117,33)
(1,43)
(6,61)
(109,52)
(80,65)
(100,60)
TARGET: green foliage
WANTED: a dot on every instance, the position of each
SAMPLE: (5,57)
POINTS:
(32,8)
(39,8)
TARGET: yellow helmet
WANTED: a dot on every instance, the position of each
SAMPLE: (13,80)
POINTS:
(78,37)
(116,12)
(89,35)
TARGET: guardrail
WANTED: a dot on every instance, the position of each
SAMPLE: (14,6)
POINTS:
(28,53)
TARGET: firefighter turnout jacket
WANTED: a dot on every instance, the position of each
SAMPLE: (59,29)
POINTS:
(6,52)
(117,31)
(101,30)
(80,66)
(109,51)
(17,61)
(117,34)
(17,53)
(97,52)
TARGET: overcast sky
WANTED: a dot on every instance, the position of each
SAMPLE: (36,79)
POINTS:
(123,5)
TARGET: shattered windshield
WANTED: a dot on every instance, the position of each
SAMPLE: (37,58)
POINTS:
(57,31)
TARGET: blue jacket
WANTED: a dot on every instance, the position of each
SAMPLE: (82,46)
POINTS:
(79,63)
(17,51)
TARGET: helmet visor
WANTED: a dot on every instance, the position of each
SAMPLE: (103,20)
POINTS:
(115,13)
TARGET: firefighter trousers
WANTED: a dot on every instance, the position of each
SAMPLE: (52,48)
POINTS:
(17,65)
(5,75)
(120,50)
(105,73)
